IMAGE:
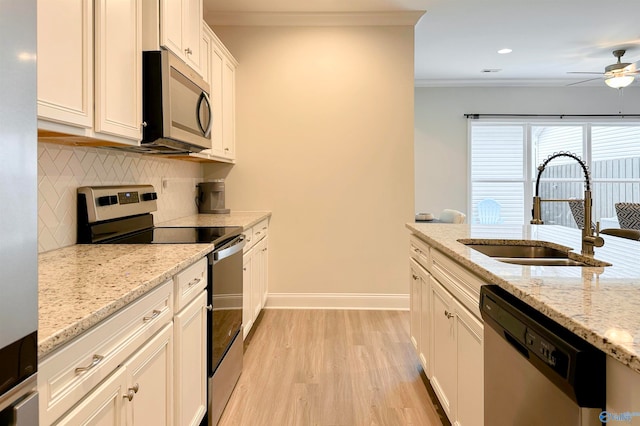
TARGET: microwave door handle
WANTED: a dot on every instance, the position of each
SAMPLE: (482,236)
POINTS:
(205,98)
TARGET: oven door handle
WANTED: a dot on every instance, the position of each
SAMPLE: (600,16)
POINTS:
(236,246)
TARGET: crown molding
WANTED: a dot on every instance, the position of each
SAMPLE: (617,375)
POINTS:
(502,83)
(398,18)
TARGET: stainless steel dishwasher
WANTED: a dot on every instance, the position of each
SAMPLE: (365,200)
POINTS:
(536,372)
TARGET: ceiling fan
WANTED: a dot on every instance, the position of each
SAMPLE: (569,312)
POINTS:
(618,75)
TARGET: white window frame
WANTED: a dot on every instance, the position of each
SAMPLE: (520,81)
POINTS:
(529,168)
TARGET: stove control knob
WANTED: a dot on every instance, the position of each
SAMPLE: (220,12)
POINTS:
(107,200)
(149,196)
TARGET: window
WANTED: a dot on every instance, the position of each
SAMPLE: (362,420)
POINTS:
(504,159)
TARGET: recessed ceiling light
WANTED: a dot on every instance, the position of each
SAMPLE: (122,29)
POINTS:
(503,51)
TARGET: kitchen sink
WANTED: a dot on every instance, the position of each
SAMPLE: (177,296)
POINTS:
(532,253)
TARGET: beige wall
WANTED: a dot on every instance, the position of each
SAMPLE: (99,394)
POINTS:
(324,140)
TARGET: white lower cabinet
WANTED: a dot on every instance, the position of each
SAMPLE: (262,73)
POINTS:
(421,314)
(447,335)
(137,393)
(149,396)
(190,329)
(255,274)
(143,365)
(443,360)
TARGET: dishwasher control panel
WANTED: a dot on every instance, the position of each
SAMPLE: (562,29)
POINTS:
(547,352)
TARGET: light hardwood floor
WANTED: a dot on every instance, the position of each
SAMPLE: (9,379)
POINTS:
(330,367)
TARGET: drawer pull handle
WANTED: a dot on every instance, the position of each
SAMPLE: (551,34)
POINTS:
(153,315)
(264,228)
(194,282)
(257,232)
(448,314)
(416,250)
(96,360)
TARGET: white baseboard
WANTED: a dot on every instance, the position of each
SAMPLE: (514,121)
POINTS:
(396,302)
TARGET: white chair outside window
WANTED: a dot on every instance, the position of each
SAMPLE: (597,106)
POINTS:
(452,216)
(489,212)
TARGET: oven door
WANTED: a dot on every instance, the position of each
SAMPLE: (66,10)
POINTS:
(225,294)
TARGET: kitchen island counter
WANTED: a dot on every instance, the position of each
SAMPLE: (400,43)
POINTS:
(600,304)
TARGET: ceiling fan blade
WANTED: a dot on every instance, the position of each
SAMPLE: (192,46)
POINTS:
(583,81)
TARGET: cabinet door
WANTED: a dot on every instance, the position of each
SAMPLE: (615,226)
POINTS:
(443,357)
(424,348)
(264,279)
(415,303)
(65,62)
(256,277)
(171,20)
(192,32)
(190,372)
(103,406)
(229,109)
(118,68)
(247,306)
(150,381)
(217,62)
(470,350)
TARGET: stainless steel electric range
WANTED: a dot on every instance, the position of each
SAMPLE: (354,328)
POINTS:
(122,215)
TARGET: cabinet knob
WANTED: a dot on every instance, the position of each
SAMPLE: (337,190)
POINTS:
(129,395)
(226,149)
(188,51)
(448,314)
(144,124)
(209,307)
(415,277)
(135,388)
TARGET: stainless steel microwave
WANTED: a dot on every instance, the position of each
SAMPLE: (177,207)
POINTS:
(176,110)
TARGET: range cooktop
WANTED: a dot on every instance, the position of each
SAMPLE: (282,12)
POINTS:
(181,235)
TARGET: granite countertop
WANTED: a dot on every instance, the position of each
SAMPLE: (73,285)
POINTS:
(235,218)
(600,304)
(81,285)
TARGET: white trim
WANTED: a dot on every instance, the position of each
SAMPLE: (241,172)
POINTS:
(338,301)
(500,82)
(306,19)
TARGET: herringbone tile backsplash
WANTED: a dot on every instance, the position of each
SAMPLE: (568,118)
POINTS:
(62,169)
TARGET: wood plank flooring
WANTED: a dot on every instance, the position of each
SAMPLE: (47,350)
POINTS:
(330,367)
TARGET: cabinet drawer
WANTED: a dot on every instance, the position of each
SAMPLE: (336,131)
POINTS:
(248,236)
(69,373)
(260,230)
(189,283)
(420,251)
(461,283)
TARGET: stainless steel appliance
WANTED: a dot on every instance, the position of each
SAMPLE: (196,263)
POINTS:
(122,215)
(176,111)
(210,197)
(536,372)
(18,220)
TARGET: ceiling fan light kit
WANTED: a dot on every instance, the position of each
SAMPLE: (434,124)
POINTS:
(618,82)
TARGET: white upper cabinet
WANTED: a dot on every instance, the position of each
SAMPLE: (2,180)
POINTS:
(175,25)
(65,62)
(220,72)
(118,75)
(90,69)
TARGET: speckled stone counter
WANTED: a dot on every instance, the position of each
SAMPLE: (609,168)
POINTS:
(81,285)
(235,218)
(601,304)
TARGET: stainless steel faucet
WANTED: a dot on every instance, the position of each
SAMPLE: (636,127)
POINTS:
(589,240)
